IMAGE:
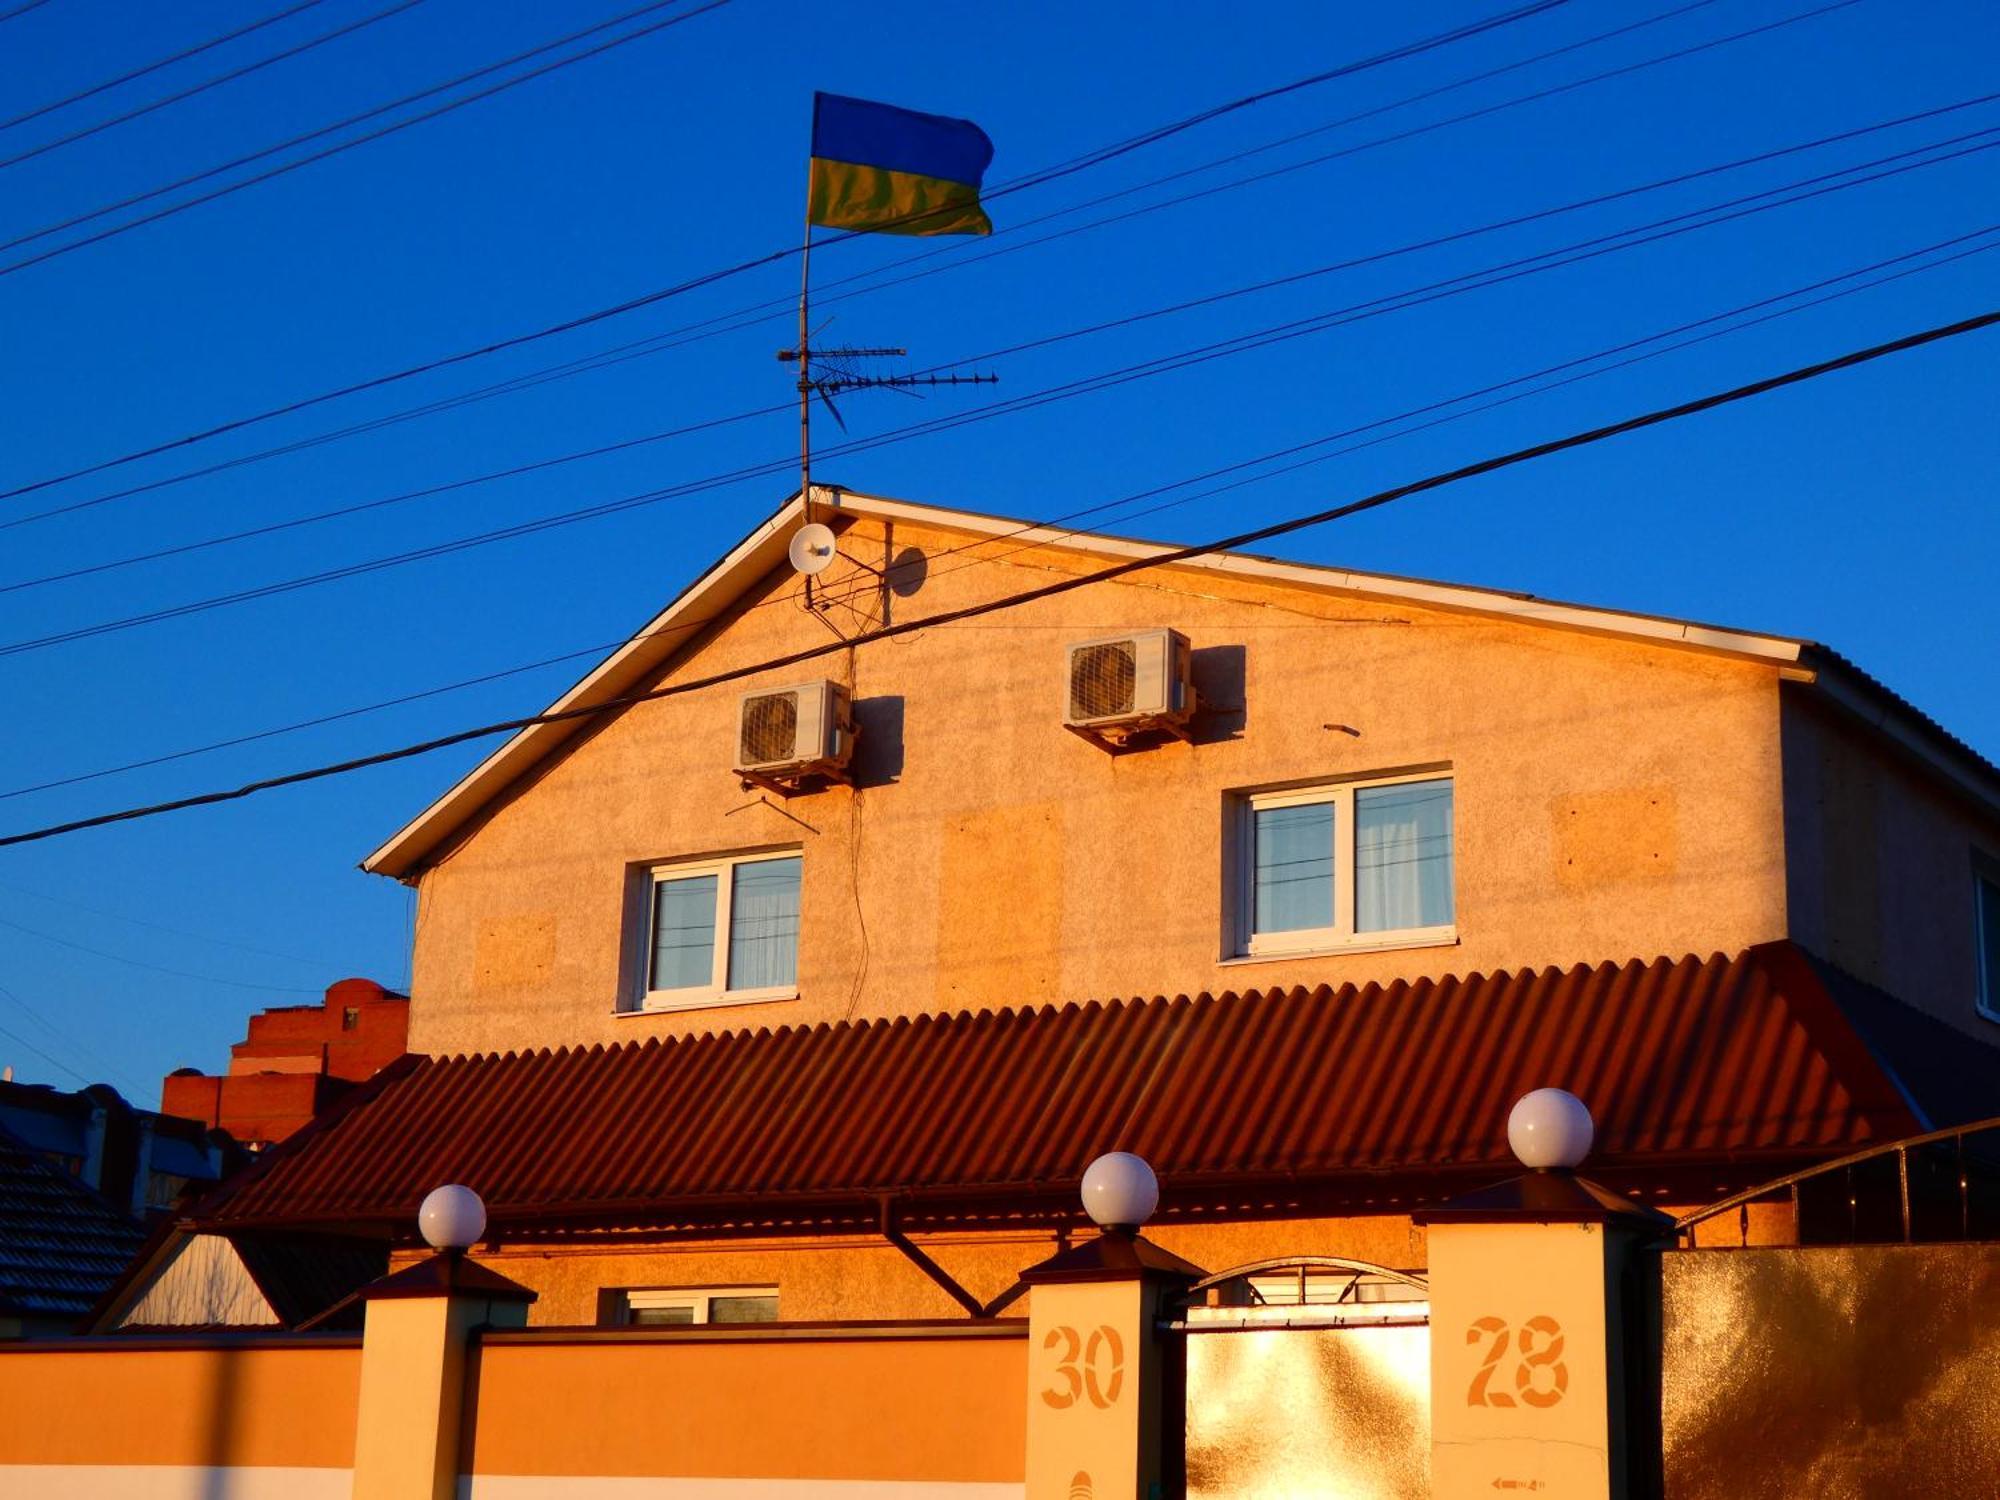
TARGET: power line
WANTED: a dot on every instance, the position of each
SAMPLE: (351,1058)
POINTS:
(64,1038)
(85,132)
(1985,232)
(682,627)
(14,1036)
(341,146)
(652,344)
(314,723)
(1536,264)
(1598,200)
(152,67)
(119,958)
(723,324)
(179,932)
(21,10)
(772,258)
(1546,449)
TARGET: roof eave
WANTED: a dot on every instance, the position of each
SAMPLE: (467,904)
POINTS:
(1909,730)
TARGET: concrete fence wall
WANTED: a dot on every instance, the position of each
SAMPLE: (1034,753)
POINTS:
(221,1418)
(907,1413)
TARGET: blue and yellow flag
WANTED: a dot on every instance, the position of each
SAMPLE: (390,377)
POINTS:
(876,167)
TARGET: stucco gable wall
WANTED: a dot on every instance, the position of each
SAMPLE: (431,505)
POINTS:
(1613,800)
(1879,864)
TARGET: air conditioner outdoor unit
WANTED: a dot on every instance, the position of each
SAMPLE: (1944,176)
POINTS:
(800,730)
(1125,683)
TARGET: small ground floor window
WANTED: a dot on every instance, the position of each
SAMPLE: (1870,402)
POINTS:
(668,1306)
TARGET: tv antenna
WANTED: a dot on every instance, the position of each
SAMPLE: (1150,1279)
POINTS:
(824,373)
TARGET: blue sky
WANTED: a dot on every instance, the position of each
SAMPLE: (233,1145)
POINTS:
(1857,510)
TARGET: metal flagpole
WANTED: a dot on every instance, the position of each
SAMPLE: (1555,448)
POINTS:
(805,374)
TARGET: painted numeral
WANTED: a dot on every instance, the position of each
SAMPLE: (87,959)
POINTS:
(1540,1377)
(1090,1369)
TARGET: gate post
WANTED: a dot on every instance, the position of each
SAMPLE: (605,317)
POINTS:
(1104,1381)
(1531,1326)
(418,1326)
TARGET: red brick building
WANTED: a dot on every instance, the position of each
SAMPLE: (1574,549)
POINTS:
(296,1060)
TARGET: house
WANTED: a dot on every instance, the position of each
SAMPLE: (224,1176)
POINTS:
(137,1160)
(296,1060)
(80,1174)
(1289,878)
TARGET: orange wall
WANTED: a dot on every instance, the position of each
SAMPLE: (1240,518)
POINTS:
(1613,800)
(236,1405)
(839,1408)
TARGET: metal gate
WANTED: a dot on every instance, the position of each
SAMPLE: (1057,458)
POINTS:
(1308,1377)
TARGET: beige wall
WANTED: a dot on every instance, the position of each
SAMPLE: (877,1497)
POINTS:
(1879,866)
(1613,800)
(833,1278)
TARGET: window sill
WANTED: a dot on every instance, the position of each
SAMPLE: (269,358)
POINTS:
(707,1001)
(1388,943)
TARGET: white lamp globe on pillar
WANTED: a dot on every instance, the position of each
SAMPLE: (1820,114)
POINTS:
(452,1218)
(1550,1129)
(1120,1191)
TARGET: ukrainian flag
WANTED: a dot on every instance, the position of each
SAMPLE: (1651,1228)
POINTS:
(876,167)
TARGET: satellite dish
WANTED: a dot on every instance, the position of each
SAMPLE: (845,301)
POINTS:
(812,551)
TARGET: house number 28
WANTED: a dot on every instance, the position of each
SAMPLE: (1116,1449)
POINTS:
(1092,1369)
(1540,1377)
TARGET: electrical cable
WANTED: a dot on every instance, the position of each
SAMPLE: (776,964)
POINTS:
(1656,417)
(1038,528)
(85,132)
(14,1036)
(722,324)
(338,147)
(152,67)
(119,958)
(1088,385)
(179,932)
(710,277)
(1598,200)
(1033,527)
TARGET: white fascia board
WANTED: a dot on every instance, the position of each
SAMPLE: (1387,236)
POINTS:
(1432,595)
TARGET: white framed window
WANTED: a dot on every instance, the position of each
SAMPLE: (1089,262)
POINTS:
(1345,865)
(721,931)
(1986,934)
(684,1306)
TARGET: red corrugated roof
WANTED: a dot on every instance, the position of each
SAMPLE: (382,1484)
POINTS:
(1745,1060)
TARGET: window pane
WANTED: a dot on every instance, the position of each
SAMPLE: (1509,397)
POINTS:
(1989,944)
(655,1316)
(684,933)
(1294,867)
(764,925)
(1402,856)
(743,1310)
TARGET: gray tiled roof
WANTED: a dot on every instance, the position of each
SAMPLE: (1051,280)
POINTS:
(61,1245)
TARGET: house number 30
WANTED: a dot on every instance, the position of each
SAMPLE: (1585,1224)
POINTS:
(1092,1369)
(1540,1376)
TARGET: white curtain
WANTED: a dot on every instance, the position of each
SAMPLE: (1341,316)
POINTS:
(1402,856)
(764,925)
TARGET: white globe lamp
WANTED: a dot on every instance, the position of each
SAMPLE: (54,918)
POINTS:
(1120,1190)
(452,1217)
(1550,1128)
